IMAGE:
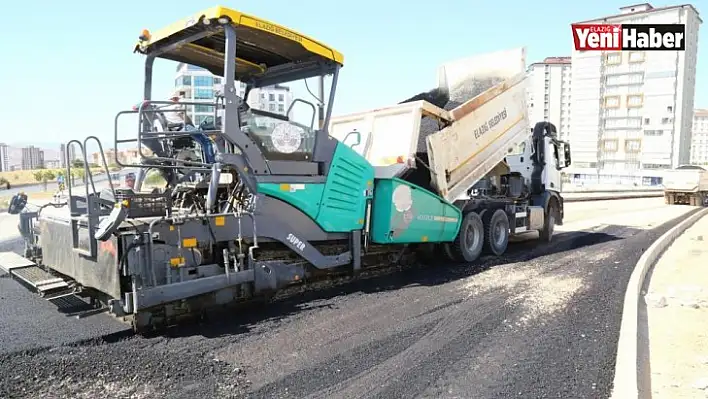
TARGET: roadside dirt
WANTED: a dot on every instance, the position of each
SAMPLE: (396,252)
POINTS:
(677,309)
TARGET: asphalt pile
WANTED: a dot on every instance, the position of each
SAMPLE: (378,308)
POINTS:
(131,368)
(449,100)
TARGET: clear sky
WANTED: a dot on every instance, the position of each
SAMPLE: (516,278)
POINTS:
(68,67)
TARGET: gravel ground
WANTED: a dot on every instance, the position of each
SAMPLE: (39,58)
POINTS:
(540,322)
(674,319)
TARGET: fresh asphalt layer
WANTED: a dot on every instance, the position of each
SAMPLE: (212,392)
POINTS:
(540,322)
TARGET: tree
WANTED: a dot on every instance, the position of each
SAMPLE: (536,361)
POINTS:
(43,176)
(77,174)
(39,176)
(154,178)
(48,174)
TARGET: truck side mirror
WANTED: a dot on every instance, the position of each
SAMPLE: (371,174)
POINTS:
(566,154)
(357,138)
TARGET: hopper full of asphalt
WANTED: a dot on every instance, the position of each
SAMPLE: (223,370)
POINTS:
(449,99)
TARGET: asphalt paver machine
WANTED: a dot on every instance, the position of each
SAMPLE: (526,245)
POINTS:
(256,201)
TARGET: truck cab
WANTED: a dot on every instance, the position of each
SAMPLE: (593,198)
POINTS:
(553,152)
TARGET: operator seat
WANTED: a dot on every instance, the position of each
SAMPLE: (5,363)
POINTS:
(195,133)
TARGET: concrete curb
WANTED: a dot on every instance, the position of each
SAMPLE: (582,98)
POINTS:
(618,190)
(612,197)
(626,382)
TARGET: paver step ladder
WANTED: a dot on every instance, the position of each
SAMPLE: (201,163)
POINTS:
(26,271)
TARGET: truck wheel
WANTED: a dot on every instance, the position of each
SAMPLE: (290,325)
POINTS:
(496,232)
(469,242)
(549,223)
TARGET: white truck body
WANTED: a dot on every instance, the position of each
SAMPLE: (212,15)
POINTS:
(389,136)
(479,134)
(686,180)
(687,184)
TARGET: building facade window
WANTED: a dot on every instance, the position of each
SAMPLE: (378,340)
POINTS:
(609,145)
(203,108)
(612,101)
(636,56)
(184,80)
(203,81)
(632,146)
(613,58)
(635,100)
(203,94)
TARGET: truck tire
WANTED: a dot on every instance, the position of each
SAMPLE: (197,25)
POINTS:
(469,242)
(549,223)
(496,232)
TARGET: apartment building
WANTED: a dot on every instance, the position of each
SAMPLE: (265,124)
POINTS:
(548,93)
(32,158)
(201,86)
(4,157)
(699,138)
(63,151)
(632,111)
(128,156)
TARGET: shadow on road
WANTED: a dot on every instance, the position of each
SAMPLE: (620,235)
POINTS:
(238,319)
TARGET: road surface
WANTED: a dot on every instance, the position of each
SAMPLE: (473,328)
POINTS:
(540,322)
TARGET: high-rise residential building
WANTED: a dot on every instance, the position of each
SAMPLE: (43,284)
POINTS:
(32,158)
(4,157)
(200,85)
(699,138)
(632,110)
(549,93)
(62,150)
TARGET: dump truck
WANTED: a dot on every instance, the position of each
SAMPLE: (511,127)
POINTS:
(686,185)
(254,202)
